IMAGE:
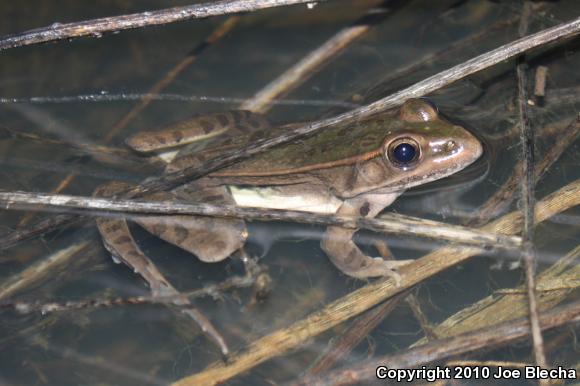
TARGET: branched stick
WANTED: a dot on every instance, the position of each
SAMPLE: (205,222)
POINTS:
(97,27)
(391,223)
(213,290)
(421,88)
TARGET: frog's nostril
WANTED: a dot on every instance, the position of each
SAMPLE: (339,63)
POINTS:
(451,147)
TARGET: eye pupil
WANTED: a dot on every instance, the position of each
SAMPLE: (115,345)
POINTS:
(404,153)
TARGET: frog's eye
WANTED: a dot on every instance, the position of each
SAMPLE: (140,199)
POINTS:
(403,152)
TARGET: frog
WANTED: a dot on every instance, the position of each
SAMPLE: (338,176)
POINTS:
(356,169)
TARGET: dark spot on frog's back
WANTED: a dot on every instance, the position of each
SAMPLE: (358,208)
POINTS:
(206,126)
(365,209)
(238,114)
(311,152)
(161,139)
(113,226)
(227,141)
(159,228)
(243,128)
(350,258)
(181,233)
(122,239)
(133,253)
(257,135)
(219,245)
(222,119)
(177,136)
(255,123)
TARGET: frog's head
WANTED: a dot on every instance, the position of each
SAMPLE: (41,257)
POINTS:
(426,147)
(418,147)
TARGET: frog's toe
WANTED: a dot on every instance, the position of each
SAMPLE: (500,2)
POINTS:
(377,267)
(389,268)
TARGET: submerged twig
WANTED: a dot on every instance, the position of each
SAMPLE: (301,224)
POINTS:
(491,337)
(447,52)
(213,290)
(102,153)
(388,223)
(504,196)
(144,100)
(505,305)
(426,326)
(97,27)
(302,70)
(368,296)
(36,272)
(339,347)
(421,88)
(172,74)
(528,197)
(109,96)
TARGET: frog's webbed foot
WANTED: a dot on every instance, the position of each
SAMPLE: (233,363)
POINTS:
(345,254)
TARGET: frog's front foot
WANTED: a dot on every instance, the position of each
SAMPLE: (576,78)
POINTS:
(346,256)
(338,244)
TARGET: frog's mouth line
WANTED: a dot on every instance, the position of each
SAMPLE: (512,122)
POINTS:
(471,175)
(410,182)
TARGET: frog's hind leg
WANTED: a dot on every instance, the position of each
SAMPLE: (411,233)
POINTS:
(120,243)
(210,239)
(198,128)
(243,127)
(337,242)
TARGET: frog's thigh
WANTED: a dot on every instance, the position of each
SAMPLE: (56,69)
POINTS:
(343,252)
(210,239)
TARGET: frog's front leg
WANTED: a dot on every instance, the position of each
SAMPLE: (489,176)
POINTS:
(338,242)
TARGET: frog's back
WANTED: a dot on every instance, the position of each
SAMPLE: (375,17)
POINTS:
(343,143)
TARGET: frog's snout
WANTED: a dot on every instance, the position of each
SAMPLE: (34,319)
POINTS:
(473,147)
